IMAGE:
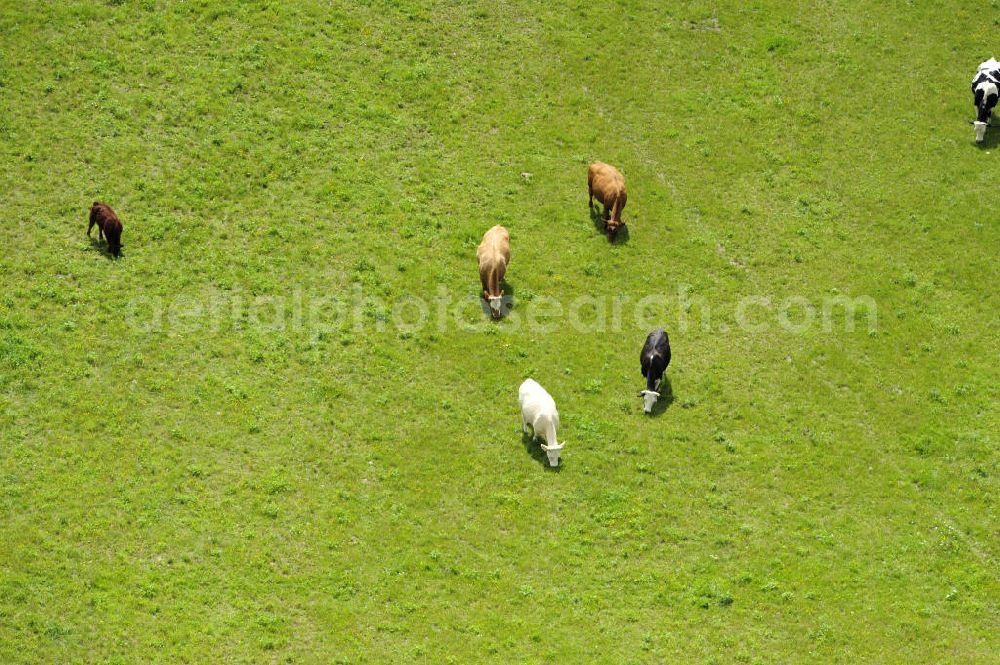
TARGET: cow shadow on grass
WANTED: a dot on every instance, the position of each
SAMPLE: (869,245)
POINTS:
(507,304)
(102,247)
(597,218)
(991,140)
(666,398)
(534,449)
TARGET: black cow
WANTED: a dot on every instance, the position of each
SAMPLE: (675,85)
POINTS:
(985,93)
(654,358)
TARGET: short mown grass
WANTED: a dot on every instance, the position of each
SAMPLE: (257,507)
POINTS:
(218,488)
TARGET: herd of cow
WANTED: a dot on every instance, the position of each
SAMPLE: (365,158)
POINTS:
(607,185)
(539,416)
(538,409)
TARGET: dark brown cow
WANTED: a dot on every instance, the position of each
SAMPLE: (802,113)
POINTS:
(108,226)
(607,184)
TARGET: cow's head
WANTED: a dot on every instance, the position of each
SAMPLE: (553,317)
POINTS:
(553,452)
(613,226)
(496,304)
(980,128)
(649,398)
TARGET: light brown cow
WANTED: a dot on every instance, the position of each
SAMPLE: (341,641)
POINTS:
(494,255)
(608,184)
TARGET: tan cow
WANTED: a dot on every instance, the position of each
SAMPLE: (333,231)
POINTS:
(494,255)
(608,185)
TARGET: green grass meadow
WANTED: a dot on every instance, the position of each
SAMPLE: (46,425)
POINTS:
(209,486)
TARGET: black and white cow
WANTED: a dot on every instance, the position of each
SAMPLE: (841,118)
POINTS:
(655,357)
(985,93)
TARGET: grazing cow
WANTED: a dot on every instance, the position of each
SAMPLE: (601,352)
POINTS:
(108,226)
(654,358)
(494,255)
(539,410)
(985,93)
(608,185)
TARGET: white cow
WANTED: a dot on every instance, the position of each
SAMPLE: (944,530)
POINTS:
(538,409)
